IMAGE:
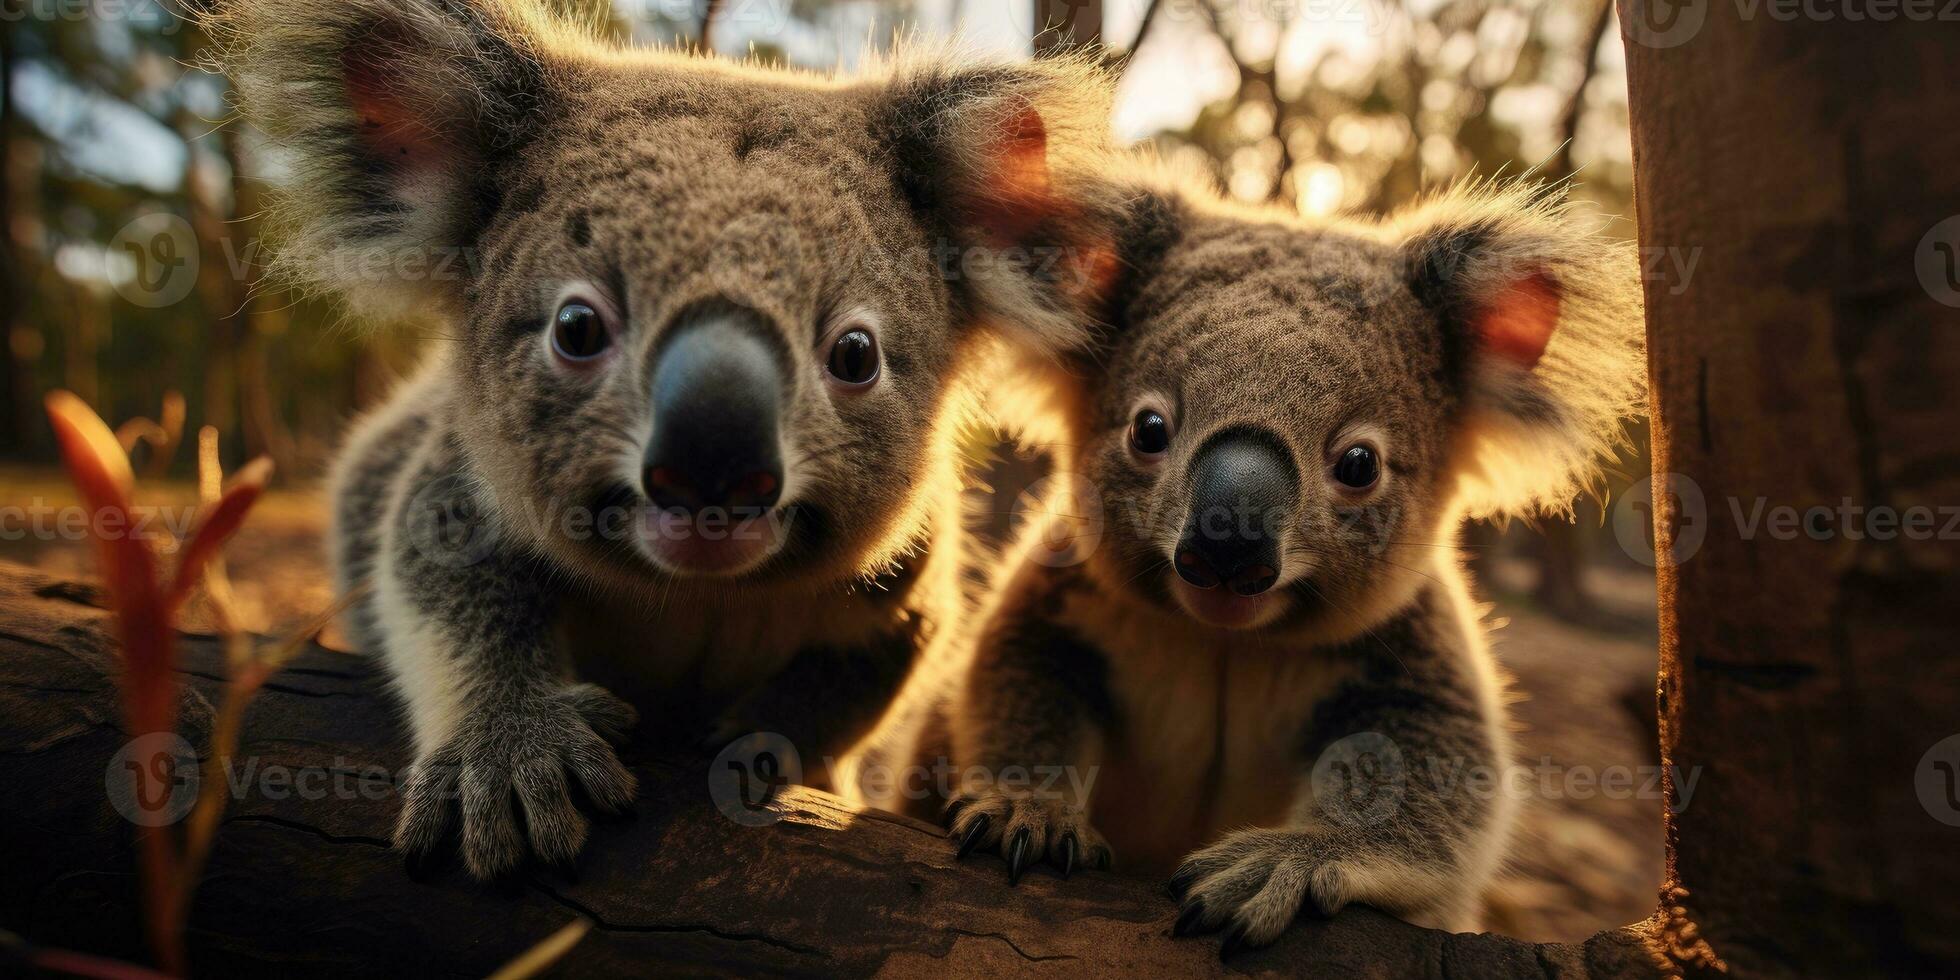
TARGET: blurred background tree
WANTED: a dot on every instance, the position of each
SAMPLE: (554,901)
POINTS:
(126,181)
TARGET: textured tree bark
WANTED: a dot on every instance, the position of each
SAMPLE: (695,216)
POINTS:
(1812,360)
(302,880)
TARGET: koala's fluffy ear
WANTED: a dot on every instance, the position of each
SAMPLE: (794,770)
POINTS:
(1543,329)
(385,116)
(999,160)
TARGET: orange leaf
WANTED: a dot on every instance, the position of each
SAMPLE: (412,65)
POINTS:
(216,523)
(101,473)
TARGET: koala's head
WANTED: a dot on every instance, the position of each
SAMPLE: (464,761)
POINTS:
(1290,417)
(720,308)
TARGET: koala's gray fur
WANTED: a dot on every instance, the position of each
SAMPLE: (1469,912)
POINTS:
(1201,740)
(545,157)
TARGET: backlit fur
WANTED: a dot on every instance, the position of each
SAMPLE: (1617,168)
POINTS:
(1202,741)
(468,162)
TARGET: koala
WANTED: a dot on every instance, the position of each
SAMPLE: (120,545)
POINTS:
(706,336)
(1244,637)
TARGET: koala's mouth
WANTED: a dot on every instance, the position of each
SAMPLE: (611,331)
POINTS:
(709,541)
(705,542)
(1226,609)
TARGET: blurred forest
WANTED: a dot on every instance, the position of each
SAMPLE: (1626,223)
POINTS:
(130,197)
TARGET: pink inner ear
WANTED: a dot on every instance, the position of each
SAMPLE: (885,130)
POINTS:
(1518,323)
(390,129)
(1017,196)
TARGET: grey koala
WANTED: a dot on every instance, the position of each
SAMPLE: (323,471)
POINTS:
(1244,637)
(711,331)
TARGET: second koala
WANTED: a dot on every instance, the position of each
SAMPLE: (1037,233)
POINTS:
(1254,652)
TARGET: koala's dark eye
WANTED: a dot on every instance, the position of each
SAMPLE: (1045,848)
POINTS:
(577,333)
(1358,468)
(1150,432)
(854,358)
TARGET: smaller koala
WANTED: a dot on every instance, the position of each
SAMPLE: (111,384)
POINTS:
(1244,638)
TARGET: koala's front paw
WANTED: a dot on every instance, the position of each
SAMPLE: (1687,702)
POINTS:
(518,752)
(1253,882)
(1026,830)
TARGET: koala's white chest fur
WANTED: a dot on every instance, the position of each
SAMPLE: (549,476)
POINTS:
(1211,725)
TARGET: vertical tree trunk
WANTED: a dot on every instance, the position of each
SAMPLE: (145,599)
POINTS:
(1811,361)
(1061,24)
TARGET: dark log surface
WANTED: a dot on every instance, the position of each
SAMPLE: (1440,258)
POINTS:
(305,882)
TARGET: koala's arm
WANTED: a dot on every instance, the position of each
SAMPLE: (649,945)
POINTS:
(463,618)
(1029,728)
(1397,803)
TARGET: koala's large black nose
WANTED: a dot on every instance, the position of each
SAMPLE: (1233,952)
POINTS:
(1242,486)
(717,401)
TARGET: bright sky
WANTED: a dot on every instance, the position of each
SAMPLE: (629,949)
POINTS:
(1181,69)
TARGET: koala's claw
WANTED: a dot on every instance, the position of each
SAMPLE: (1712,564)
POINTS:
(1017,857)
(1187,920)
(1252,884)
(973,836)
(1027,831)
(532,754)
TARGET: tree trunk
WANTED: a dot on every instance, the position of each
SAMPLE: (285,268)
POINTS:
(1811,360)
(1063,24)
(302,880)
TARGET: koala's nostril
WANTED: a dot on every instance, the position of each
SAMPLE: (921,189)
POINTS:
(1242,487)
(1254,580)
(718,390)
(1193,568)
(669,489)
(757,491)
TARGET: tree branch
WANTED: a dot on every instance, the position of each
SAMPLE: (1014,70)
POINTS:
(301,877)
